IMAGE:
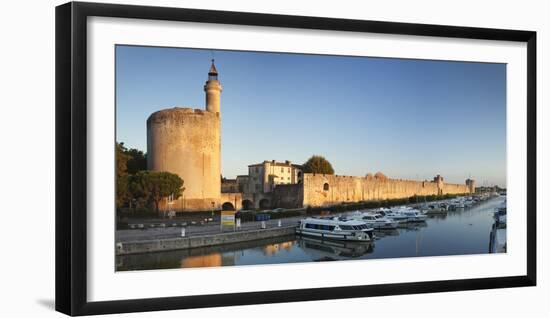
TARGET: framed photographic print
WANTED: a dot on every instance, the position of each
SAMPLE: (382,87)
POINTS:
(210,158)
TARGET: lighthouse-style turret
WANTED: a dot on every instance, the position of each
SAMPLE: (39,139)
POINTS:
(213,90)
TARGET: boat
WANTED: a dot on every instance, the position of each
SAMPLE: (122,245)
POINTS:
(336,228)
(393,215)
(397,216)
(410,214)
(433,209)
(500,215)
(375,220)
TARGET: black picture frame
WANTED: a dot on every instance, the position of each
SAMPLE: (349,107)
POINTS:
(71,157)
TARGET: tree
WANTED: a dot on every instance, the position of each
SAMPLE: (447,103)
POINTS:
(137,160)
(153,186)
(122,194)
(317,164)
(121,159)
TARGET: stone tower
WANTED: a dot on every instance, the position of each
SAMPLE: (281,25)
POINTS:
(213,90)
(187,142)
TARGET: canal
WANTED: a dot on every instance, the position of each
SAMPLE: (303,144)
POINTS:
(465,231)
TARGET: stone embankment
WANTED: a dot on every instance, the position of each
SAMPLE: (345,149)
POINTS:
(169,244)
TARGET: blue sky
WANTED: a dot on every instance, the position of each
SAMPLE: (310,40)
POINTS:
(410,119)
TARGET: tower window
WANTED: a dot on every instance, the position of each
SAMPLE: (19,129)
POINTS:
(325,186)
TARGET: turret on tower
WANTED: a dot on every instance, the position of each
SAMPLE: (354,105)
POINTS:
(213,90)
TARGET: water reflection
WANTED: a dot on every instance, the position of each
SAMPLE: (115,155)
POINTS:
(383,233)
(202,260)
(272,249)
(325,250)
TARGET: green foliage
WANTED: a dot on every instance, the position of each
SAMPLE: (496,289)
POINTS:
(317,164)
(135,160)
(122,191)
(153,186)
(138,188)
(121,160)
(122,194)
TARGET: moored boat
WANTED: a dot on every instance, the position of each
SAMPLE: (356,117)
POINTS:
(375,220)
(410,214)
(336,228)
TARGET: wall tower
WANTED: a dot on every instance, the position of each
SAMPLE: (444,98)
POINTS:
(471,183)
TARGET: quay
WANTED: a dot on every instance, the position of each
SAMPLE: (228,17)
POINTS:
(170,244)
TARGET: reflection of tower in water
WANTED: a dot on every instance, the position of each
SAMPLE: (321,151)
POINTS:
(209,260)
(273,249)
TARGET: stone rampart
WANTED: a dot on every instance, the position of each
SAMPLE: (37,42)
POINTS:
(324,190)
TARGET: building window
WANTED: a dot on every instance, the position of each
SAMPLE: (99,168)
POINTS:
(325,186)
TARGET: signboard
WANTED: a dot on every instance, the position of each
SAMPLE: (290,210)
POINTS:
(227,219)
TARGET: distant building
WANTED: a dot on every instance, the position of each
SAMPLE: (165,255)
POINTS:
(263,177)
(230,186)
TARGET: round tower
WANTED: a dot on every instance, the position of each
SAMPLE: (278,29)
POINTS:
(213,90)
(187,142)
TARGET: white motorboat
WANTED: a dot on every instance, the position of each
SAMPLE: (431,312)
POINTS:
(375,220)
(410,214)
(336,228)
(396,216)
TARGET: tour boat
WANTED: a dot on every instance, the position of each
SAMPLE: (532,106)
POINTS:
(375,220)
(336,228)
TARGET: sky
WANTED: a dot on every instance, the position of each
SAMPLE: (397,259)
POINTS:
(410,119)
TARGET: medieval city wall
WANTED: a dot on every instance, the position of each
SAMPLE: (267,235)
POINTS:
(288,196)
(186,142)
(231,201)
(323,190)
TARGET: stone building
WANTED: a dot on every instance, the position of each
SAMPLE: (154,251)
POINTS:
(257,187)
(187,142)
(263,177)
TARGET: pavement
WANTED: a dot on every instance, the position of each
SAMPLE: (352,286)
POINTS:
(170,231)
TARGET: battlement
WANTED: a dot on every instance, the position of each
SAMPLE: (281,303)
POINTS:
(178,114)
